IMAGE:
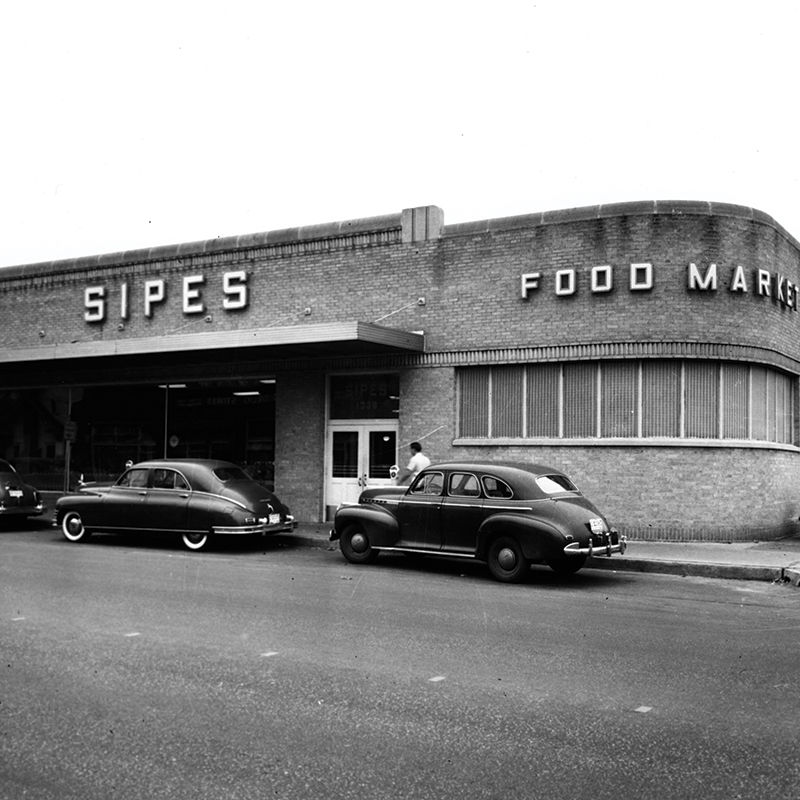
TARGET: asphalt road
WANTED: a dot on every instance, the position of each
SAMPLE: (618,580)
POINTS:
(132,669)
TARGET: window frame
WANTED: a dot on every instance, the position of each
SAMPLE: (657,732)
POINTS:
(717,382)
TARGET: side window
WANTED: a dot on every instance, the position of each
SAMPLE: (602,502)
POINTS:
(163,479)
(428,483)
(134,478)
(181,482)
(463,484)
(496,488)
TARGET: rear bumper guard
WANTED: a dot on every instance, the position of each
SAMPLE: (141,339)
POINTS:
(278,527)
(613,544)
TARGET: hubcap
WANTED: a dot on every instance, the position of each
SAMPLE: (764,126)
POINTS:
(507,558)
(74,526)
(359,542)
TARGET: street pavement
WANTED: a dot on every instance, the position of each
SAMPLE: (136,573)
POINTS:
(777,561)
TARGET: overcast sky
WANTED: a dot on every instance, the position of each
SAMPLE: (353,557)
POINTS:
(135,124)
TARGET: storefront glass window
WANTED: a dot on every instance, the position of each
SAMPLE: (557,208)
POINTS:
(628,400)
(364,396)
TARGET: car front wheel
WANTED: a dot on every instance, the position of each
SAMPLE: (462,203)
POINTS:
(72,527)
(355,546)
(194,540)
(506,561)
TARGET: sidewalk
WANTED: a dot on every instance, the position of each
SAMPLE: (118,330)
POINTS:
(761,561)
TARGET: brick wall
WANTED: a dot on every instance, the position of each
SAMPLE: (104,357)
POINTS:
(300,442)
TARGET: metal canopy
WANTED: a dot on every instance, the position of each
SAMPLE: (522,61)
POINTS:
(324,339)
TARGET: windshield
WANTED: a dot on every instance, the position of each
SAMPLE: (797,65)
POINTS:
(553,484)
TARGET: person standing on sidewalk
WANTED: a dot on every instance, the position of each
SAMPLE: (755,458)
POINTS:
(418,462)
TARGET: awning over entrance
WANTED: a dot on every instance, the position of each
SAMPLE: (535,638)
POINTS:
(296,341)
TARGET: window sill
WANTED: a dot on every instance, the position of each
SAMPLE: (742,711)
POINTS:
(729,444)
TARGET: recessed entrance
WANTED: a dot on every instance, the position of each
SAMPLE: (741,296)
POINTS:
(361,441)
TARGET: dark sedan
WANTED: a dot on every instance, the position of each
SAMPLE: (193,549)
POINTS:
(194,498)
(508,515)
(17,498)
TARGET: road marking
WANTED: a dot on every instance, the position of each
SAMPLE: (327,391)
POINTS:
(643,709)
(130,635)
(436,679)
(17,619)
(269,654)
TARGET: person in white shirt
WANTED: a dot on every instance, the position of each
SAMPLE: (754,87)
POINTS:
(418,462)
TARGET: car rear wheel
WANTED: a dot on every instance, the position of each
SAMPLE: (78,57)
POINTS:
(72,527)
(355,546)
(566,565)
(194,540)
(507,562)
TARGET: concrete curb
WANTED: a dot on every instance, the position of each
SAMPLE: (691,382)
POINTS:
(738,572)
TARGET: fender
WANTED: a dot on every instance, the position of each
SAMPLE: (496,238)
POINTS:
(378,523)
(538,538)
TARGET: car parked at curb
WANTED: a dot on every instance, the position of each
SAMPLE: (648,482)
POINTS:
(17,498)
(196,499)
(507,515)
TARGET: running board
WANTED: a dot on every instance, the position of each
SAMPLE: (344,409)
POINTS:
(424,552)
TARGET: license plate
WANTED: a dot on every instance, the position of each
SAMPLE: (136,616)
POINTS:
(274,519)
(15,492)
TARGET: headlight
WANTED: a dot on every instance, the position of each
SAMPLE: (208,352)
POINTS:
(596,525)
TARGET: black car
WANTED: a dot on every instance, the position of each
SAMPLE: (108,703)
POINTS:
(508,515)
(194,498)
(17,498)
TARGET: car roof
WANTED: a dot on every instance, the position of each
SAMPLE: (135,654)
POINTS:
(198,471)
(500,468)
(178,463)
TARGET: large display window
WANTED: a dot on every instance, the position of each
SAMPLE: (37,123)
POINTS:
(699,400)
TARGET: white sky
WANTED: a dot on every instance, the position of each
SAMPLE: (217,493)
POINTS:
(134,124)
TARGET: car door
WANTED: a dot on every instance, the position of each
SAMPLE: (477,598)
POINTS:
(462,512)
(167,504)
(418,512)
(123,504)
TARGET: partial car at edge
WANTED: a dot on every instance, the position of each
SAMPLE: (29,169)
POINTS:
(507,515)
(17,498)
(196,499)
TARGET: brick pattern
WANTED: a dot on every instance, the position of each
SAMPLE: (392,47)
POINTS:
(299,442)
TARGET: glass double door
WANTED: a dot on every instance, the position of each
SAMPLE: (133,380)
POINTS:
(358,456)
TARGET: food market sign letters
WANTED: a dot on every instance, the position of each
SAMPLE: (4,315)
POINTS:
(640,277)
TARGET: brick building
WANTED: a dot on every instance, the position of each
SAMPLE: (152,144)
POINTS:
(651,350)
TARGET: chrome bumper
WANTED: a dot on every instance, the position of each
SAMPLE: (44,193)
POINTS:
(620,546)
(27,511)
(286,526)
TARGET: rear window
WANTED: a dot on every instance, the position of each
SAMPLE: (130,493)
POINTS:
(554,484)
(226,474)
